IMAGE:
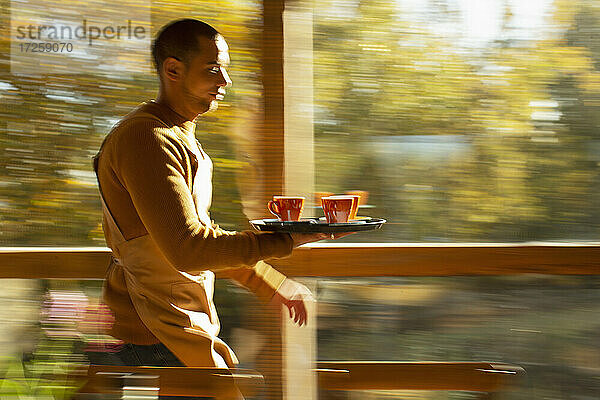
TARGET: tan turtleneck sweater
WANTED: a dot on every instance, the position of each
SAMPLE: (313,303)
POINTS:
(146,169)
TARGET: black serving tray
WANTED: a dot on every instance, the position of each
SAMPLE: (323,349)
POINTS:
(317,225)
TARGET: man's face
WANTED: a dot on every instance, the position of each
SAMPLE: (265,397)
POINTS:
(205,78)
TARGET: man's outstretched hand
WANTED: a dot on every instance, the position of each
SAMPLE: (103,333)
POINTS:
(303,238)
(294,296)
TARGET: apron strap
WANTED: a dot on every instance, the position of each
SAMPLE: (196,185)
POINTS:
(113,227)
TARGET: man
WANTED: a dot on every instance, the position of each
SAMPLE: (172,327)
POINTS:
(155,184)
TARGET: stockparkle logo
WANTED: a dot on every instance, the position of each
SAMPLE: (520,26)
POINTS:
(83,31)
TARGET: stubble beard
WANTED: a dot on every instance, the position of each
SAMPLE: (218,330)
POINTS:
(213,106)
(199,104)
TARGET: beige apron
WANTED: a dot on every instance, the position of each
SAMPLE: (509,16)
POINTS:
(177,307)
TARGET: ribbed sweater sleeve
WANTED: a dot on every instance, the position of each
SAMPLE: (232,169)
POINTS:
(152,164)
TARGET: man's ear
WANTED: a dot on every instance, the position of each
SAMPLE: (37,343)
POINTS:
(172,69)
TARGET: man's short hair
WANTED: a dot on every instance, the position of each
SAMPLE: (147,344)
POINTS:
(179,39)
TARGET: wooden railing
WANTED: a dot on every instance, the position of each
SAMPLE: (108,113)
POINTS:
(319,260)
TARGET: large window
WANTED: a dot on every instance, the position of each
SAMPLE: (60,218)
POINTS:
(459,120)
(465,121)
(462,122)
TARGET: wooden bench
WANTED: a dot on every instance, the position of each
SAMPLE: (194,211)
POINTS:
(484,377)
(216,383)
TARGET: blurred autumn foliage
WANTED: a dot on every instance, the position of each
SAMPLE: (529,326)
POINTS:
(459,142)
(453,142)
(52,124)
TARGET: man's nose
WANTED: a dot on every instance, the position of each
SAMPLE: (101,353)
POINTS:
(226,81)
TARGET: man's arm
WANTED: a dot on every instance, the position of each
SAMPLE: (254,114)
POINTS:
(271,285)
(292,294)
(151,164)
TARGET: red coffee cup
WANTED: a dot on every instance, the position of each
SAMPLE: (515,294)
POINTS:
(338,208)
(286,208)
(319,196)
(363,194)
(355,204)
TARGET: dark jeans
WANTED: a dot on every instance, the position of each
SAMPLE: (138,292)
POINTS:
(154,355)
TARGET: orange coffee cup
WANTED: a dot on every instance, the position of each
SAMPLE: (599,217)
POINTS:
(355,203)
(286,208)
(319,196)
(364,195)
(338,208)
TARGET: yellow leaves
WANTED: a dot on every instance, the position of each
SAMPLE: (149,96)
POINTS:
(590,83)
(76,182)
(45,204)
(570,60)
(96,234)
(381,48)
(227,163)
(482,218)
